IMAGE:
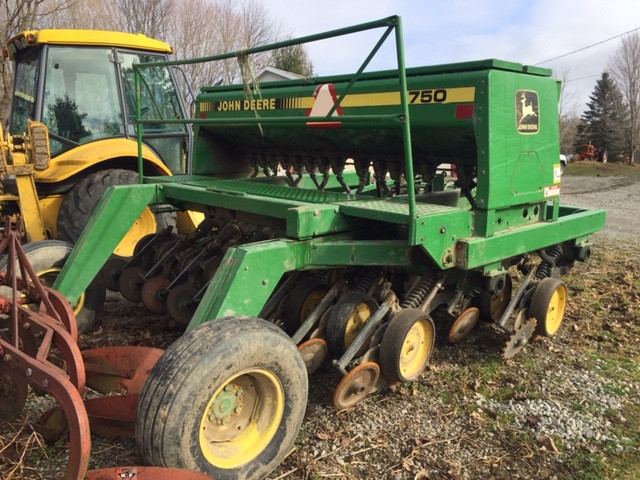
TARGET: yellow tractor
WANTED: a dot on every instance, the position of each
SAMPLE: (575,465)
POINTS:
(72,134)
(72,130)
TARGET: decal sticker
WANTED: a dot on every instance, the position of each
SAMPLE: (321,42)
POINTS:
(527,112)
(552,191)
(557,173)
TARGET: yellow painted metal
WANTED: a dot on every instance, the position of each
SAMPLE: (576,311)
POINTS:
(48,276)
(30,207)
(189,220)
(144,225)
(555,312)
(50,206)
(241,418)
(359,317)
(74,161)
(416,348)
(99,38)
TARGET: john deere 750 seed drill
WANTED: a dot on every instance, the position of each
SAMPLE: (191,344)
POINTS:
(333,235)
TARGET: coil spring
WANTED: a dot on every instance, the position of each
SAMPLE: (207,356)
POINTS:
(546,267)
(228,233)
(366,282)
(418,293)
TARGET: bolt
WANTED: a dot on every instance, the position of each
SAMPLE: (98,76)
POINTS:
(29,372)
(212,418)
(238,409)
(443,230)
(265,282)
(45,383)
(225,421)
(7,357)
(227,388)
(239,392)
(26,325)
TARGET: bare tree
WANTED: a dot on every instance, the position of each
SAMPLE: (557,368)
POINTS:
(625,68)
(82,14)
(568,115)
(16,16)
(146,16)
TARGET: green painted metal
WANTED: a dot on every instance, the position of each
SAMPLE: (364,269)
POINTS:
(496,120)
(257,268)
(114,215)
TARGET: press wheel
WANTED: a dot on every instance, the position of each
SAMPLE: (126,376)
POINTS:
(348,318)
(302,300)
(493,306)
(152,294)
(130,283)
(406,345)
(356,385)
(181,304)
(464,324)
(314,353)
(548,305)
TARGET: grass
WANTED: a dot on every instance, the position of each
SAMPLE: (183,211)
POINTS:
(597,169)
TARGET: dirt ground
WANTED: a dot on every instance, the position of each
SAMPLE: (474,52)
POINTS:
(563,408)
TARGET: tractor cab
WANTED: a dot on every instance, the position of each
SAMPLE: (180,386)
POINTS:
(80,84)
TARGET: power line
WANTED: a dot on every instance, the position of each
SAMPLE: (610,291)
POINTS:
(588,46)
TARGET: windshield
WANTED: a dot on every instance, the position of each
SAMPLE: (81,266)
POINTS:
(24,97)
(81,102)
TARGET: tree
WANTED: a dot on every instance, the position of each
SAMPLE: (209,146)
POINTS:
(625,67)
(603,121)
(16,16)
(569,117)
(146,16)
(293,59)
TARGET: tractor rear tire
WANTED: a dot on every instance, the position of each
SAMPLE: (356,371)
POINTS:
(80,202)
(227,398)
(47,258)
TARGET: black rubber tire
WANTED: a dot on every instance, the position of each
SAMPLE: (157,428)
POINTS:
(392,346)
(493,306)
(544,309)
(49,254)
(78,205)
(176,395)
(299,305)
(338,322)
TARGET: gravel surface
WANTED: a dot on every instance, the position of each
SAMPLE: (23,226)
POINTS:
(471,415)
(620,196)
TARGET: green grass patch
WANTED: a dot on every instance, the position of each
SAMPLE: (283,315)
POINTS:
(597,169)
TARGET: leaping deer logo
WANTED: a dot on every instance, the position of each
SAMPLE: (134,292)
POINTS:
(527,108)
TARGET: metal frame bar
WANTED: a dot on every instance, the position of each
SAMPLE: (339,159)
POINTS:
(393,23)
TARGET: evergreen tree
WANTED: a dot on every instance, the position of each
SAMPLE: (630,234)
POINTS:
(293,59)
(603,121)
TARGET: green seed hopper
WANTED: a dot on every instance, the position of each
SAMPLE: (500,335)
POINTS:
(364,215)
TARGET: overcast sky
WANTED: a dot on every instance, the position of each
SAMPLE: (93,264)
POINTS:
(437,31)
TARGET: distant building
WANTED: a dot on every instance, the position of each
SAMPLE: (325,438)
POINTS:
(270,74)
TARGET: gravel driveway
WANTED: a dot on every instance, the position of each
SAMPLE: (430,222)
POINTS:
(620,196)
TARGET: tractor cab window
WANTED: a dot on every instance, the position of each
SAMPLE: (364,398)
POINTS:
(81,102)
(24,97)
(158,101)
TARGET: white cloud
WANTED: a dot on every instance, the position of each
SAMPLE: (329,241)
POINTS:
(437,31)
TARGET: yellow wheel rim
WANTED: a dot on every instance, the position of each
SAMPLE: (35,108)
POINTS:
(311,302)
(144,225)
(241,418)
(555,312)
(416,348)
(47,277)
(359,317)
(499,303)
